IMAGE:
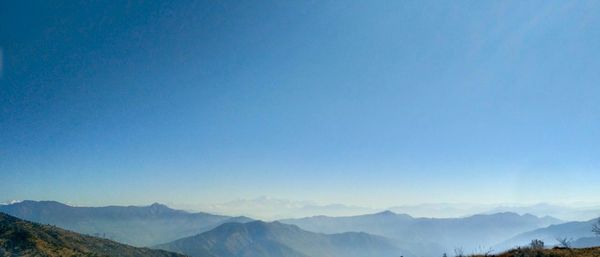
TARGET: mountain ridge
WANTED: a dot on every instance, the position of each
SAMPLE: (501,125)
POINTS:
(134,225)
(23,238)
(430,236)
(276,239)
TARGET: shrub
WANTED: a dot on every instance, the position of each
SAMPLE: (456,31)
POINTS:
(537,244)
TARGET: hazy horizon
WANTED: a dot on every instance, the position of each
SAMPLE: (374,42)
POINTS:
(271,209)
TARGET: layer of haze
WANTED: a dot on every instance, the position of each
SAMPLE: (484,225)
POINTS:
(366,103)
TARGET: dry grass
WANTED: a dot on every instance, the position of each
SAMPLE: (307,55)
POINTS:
(554,252)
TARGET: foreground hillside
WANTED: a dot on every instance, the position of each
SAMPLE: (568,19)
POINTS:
(23,238)
(555,252)
(133,225)
(261,239)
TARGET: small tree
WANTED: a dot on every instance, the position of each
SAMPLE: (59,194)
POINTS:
(537,244)
(458,252)
(596,228)
(565,242)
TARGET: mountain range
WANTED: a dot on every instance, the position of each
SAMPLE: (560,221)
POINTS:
(571,213)
(275,239)
(578,231)
(27,239)
(267,208)
(429,236)
(133,225)
(203,234)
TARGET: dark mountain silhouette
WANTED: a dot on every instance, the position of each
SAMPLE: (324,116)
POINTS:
(261,239)
(134,225)
(22,238)
(430,236)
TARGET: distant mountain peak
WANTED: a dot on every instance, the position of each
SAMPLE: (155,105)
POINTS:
(38,203)
(270,239)
(386,213)
(11,202)
(499,214)
(159,206)
(264,224)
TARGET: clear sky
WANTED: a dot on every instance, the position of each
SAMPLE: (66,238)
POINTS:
(369,103)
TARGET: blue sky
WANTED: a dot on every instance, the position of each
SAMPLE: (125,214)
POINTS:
(357,102)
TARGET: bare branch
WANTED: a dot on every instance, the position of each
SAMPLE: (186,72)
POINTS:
(458,252)
(596,228)
(565,242)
